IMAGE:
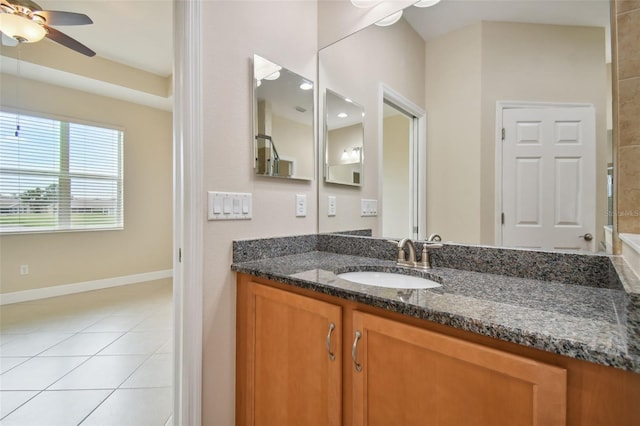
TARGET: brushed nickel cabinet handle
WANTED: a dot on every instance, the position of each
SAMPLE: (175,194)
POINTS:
(354,352)
(332,327)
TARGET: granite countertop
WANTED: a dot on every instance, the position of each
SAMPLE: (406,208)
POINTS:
(580,321)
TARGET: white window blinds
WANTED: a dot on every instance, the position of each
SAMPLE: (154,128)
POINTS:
(58,176)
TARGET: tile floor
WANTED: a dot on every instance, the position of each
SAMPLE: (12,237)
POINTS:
(97,358)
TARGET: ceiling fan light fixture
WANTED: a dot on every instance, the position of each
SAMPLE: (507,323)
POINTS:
(390,20)
(21,28)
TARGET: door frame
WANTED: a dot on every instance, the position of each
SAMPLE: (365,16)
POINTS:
(500,107)
(188,210)
(418,153)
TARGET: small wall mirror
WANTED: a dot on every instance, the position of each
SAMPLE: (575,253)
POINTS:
(283,122)
(344,137)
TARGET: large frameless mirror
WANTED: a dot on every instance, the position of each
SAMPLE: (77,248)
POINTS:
(344,139)
(283,122)
(472,67)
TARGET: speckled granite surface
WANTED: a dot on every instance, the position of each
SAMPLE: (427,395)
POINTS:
(592,314)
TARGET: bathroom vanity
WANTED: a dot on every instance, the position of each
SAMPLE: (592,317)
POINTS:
(511,337)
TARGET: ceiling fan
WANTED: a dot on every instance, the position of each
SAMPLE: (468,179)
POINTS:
(24,21)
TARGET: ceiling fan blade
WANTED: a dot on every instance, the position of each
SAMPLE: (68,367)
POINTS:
(54,17)
(8,41)
(65,40)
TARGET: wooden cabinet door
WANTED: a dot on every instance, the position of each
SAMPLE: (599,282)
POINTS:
(411,376)
(293,368)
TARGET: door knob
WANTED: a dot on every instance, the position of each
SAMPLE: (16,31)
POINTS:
(587,237)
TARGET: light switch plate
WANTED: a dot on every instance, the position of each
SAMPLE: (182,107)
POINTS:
(301,205)
(229,205)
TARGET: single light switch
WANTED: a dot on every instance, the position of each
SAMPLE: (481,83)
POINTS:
(236,206)
(246,205)
(217,205)
(226,205)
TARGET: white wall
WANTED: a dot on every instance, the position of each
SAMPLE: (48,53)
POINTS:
(285,32)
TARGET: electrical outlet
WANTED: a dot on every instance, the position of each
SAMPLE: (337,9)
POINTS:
(24,269)
(301,205)
(368,207)
(331,207)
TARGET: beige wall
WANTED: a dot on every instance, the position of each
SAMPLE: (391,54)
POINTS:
(295,142)
(145,245)
(343,138)
(285,32)
(393,56)
(397,220)
(467,72)
(453,91)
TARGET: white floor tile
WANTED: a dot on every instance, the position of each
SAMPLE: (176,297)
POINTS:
(155,372)
(155,322)
(32,344)
(167,348)
(47,380)
(101,372)
(139,407)
(10,400)
(56,408)
(82,344)
(138,343)
(7,364)
(38,373)
(122,323)
(69,323)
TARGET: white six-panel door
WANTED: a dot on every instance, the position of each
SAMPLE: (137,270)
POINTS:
(548,178)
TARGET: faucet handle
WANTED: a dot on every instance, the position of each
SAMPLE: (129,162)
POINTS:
(426,246)
(426,260)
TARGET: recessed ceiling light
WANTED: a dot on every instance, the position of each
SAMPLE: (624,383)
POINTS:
(365,3)
(343,115)
(306,86)
(348,100)
(426,3)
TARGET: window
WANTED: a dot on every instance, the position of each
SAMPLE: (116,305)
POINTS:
(58,175)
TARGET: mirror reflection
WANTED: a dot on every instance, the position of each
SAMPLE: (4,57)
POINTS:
(283,122)
(477,62)
(344,134)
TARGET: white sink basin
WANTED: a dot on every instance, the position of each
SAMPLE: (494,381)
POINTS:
(388,279)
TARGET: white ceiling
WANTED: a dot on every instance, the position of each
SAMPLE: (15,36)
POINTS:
(449,15)
(138,33)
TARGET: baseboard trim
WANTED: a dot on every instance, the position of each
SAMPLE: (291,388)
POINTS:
(62,290)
